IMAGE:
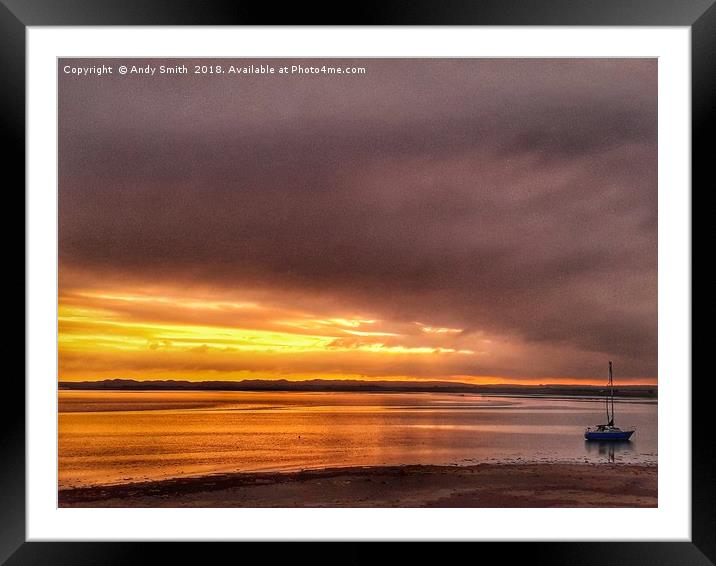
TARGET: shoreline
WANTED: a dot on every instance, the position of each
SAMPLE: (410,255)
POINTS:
(480,485)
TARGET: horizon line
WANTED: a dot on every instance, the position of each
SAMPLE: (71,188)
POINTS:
(403,382)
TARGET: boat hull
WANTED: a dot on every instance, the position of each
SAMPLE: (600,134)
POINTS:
(608,435)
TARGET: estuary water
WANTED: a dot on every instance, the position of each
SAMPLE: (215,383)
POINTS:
(110,437)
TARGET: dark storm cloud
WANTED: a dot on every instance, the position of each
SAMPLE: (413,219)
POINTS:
(511,196)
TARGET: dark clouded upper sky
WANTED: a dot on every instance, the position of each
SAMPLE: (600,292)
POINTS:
(452,219)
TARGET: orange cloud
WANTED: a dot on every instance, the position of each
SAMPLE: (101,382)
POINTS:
(154,333)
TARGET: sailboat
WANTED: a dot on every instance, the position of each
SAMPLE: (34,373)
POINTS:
(608,431)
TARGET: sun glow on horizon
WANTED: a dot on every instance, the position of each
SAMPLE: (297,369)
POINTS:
(190,335)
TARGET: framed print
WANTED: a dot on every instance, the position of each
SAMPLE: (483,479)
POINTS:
(423,275)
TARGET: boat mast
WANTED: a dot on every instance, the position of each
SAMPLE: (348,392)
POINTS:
(611,396)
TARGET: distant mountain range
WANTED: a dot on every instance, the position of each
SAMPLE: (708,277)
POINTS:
(650,391)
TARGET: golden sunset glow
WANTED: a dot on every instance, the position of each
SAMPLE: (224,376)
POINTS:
(138,335)
(195,335)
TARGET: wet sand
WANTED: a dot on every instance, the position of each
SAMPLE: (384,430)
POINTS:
(483,485)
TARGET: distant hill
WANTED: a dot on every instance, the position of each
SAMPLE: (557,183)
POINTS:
(650,391)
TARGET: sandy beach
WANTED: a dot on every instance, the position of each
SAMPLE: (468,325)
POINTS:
(483,485)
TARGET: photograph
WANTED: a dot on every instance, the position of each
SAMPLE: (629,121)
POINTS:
(347,283)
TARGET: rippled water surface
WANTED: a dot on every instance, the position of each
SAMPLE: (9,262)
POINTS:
(114,437)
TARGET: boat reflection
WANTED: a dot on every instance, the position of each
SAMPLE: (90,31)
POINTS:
(610,449)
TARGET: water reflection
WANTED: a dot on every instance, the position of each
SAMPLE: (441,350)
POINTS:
(610,449)
(115,437)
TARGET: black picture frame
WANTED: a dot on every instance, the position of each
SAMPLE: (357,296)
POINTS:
(17,15)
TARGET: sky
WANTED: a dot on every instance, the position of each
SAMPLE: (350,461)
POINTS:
(474,220)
